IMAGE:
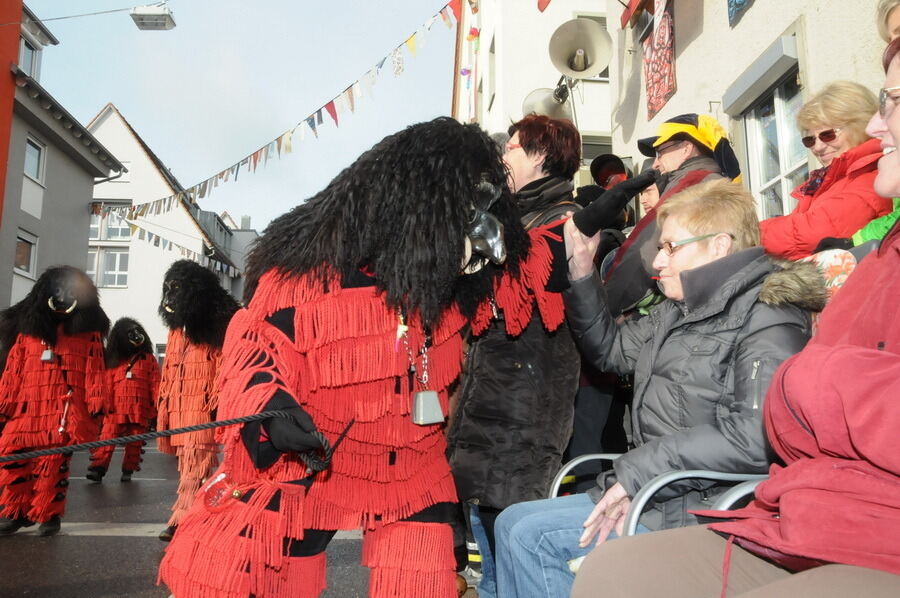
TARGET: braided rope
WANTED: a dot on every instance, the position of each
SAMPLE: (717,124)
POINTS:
(313,461)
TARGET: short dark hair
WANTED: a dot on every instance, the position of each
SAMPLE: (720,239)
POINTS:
(556,138)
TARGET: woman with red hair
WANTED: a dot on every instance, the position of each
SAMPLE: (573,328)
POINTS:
(515,410)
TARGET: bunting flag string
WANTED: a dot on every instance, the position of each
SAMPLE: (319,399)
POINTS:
(338,106)
(142,234)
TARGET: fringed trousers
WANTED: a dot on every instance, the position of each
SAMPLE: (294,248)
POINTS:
(195,463)
(34,489)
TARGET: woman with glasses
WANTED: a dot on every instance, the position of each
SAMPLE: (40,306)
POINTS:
(827,521)
(702,361)
(837,200)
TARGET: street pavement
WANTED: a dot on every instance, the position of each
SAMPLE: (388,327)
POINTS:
(108,544)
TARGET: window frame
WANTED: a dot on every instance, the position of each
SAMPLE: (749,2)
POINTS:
(100,266)
(31,273)
(42,159)
(786,132)
(32,70)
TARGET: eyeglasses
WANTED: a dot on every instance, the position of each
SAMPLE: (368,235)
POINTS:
(664,148)
(826,136)
(670,247)
(883,98)
(511,146)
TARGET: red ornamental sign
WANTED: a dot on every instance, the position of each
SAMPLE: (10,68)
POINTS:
(659,58)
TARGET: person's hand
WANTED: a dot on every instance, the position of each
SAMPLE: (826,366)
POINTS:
(833,243)
(603,211)
(294,434)
(580,250)
(609,513)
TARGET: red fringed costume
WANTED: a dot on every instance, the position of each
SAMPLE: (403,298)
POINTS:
(186,398)
(48,394)
(344,358)
(134,384)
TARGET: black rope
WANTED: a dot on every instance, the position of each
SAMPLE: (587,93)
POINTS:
(316,462)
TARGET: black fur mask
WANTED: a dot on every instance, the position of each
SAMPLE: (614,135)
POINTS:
(126,339)
(401,211)
(62,295)
(193,299)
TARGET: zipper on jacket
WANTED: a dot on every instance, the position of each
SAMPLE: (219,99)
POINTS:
(753,375)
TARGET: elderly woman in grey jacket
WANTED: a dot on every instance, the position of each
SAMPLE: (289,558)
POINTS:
(702,361)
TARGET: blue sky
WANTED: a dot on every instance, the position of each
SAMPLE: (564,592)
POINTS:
(234,74)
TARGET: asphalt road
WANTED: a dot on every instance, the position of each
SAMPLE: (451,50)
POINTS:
(108,544)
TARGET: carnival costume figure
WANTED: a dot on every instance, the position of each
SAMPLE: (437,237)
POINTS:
(196,309)
(355,304)
(132,375)
(51,391)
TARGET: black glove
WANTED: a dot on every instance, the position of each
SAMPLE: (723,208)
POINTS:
(603,211)
(294,434)
(833,243)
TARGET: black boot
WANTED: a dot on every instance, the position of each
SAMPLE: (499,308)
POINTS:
(49,527)
(167,534)
(95,474)
(126,476)
(11,526)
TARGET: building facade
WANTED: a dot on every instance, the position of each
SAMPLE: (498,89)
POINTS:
(750,64)
(53,163)
(503,56)
(131,249)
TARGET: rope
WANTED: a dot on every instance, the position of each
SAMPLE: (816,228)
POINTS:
(316,462)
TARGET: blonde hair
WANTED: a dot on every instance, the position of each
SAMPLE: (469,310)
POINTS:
(719,206)
(882,13)
(843,105)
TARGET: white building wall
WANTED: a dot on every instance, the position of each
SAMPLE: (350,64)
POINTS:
(521,63)
(147,263)
(836,39)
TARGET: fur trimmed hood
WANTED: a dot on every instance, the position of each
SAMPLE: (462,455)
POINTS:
(796,283)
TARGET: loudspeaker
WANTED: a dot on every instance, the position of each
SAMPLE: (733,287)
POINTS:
(548,102)
(580,48)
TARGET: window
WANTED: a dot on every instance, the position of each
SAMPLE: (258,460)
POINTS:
(34,160)
(28,57)
(109,226)
(26,253)
(107,266)
(778,161)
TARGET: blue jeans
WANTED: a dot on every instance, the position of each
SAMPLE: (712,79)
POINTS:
(487,587)
(535,540)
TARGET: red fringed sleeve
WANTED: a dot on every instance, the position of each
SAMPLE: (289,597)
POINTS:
(517,296)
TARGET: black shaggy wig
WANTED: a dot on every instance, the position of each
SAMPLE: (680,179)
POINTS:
(119,348)
(399,211)
(32,315)
(201,306)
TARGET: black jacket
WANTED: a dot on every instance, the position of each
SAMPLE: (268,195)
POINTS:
(701,370)
(514,416)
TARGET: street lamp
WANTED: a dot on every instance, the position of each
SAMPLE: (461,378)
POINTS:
(154,17)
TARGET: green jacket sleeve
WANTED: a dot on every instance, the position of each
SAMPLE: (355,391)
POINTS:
(878,228)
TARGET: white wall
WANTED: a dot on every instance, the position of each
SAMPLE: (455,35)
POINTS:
(522,63)
(147,263)
(837,39)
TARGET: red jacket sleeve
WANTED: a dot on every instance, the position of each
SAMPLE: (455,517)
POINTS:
(837,401)
(844,208)
(11,380)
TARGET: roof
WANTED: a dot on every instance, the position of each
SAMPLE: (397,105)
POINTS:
(78,132)
(218,252)
(31,18)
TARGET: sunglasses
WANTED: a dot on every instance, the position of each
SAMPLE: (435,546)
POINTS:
(883,98)
(826,136)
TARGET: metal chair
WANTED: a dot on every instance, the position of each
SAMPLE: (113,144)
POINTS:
(645,494)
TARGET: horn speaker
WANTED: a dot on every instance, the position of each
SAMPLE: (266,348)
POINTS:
(580,48)
(548,102)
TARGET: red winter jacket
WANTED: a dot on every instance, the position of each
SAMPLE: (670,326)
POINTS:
(832,415)
(843,204)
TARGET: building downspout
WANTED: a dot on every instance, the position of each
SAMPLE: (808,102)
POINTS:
(111,178)
(10,12)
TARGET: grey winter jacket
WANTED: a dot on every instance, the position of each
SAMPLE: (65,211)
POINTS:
(701,370)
